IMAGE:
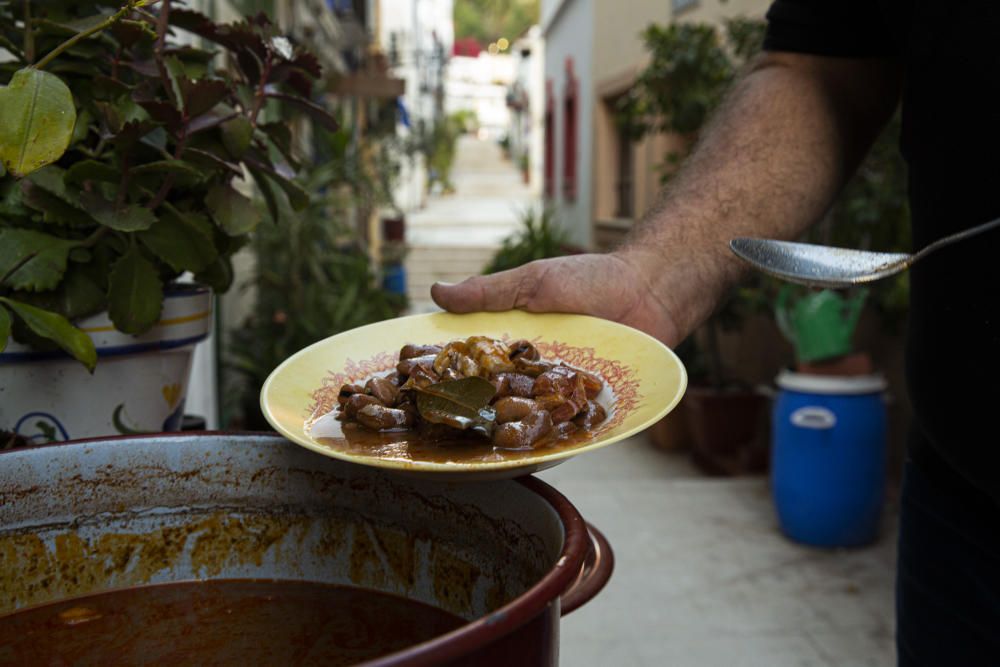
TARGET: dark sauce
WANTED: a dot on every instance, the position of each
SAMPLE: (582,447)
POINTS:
(427,446)
(223,622)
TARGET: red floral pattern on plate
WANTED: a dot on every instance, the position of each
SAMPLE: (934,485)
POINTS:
(619,377)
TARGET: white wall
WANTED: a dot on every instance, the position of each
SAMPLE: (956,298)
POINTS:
(568,30)
(480,84)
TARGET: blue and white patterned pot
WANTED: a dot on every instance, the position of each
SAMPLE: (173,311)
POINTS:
(139,385)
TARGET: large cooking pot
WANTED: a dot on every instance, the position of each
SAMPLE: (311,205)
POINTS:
(90,516)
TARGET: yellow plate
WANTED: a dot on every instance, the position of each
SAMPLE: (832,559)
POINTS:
(645,379)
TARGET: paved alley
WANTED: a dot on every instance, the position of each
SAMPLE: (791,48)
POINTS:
(704,578)
(456,234)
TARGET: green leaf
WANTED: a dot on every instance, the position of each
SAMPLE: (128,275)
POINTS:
(218,275)
(458,403)
(78,295)
(236,135)
(58,329)
(183,241)
(135,293)
(82,127)
(32,260)
(321,116)
(4,328)
(92,170)
(232,211)
(184,174)
(127,218)
(277,202)
(202,95)
(297,197)
(36,121)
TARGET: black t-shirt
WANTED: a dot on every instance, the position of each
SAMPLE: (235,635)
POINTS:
(951,143)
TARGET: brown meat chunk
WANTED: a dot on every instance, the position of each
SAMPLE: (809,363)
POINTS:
(406,366)
(532,368)
(421,376)
(590,416)
(513,384)
(513,408)
(380,418)
(384,390)
(561,382)
(356,402)
(347,391)
(523,434)
(523,349)
(557,380)
(413,351)
(591,383)
(490,355)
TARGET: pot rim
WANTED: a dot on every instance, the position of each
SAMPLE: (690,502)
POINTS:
(474,634)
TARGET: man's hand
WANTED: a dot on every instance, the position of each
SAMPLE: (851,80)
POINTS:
(610,286)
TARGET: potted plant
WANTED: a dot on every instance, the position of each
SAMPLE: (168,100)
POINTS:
(539,237)
(124,155)
(313,278)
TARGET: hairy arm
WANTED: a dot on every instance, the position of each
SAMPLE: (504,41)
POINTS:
(769,164)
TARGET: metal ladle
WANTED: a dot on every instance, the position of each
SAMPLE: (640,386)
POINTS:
(825,266)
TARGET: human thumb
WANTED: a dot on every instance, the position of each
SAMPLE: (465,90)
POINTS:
(496,292)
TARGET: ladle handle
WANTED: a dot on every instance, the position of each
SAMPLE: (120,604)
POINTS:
(597,567)
(954,238)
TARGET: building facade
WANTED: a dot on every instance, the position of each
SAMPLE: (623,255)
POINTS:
(627,174)
(568,31)
(598,181)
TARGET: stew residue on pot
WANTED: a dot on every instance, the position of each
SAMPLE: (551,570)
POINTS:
(225,622)
(480,399)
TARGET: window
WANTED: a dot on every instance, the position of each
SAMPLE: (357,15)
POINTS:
(625,177)
(570,109)
(550,142)
(680,5)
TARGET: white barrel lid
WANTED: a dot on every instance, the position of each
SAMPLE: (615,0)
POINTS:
(831,384)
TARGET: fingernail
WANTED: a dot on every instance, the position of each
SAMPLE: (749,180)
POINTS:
(444,284)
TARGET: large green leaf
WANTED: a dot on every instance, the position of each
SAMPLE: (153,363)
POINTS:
(92,170)
(297,197)
(183,241)
(37,115)
(135,293)
(80,293)
(127,218)
(218,275)
(236,135)
(233,212)
(4,328)
(31,260)
(458,403)
(56,328)
(45,190)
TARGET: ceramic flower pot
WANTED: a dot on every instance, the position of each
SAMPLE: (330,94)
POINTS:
(139,385)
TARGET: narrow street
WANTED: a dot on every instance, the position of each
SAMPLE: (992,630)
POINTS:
(456,234)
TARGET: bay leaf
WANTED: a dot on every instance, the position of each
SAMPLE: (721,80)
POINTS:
(462,404)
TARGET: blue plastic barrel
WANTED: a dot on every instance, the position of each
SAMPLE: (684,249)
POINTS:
(828,458)
(394,279)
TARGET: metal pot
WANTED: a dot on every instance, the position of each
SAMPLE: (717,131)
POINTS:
(90,516)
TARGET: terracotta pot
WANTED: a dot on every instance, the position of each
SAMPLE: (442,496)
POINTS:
(728,429)
(508,557)
(672,433)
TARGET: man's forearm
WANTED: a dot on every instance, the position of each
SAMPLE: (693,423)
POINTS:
(769,164)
